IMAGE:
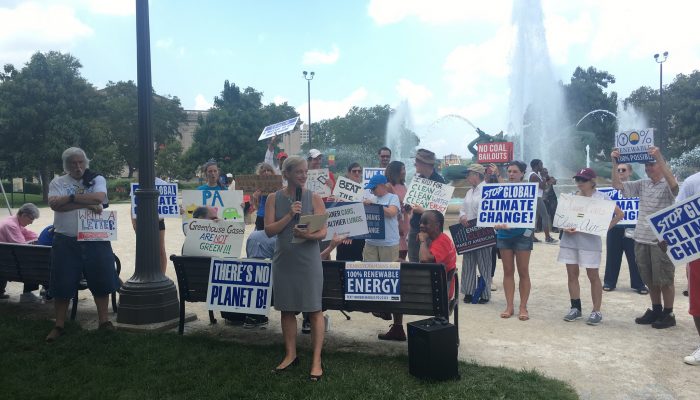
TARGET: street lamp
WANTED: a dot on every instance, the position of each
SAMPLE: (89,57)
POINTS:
(661,61)
(309,76)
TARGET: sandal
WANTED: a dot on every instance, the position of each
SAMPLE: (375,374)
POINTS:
(55,333)
(506,314)
(524,316)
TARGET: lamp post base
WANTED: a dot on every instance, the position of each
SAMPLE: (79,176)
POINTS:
(143,303)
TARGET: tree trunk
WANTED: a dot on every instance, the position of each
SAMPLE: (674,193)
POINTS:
(131,170)
(44,173)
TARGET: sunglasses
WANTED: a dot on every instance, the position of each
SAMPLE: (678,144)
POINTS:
(356,171)
(581,180)
(622,170)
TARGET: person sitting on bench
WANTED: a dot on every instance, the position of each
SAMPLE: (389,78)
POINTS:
(13,230)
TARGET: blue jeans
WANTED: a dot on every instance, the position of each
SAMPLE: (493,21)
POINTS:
(617,243)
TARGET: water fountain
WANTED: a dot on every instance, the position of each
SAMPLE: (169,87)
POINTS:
(401,137)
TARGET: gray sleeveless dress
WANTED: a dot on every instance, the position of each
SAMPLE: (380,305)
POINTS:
(297,272)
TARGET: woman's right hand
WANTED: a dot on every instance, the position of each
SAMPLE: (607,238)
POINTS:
(295,208)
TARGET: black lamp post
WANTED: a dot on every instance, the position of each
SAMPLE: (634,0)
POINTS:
(309,76)
(661,61)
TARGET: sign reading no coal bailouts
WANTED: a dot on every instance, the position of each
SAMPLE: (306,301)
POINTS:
(679,226)
(373,281)
(512,204)
(634,145)
(629,206)
(429,194)
(241,286)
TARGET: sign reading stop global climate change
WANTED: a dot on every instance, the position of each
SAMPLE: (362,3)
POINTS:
(97,227)
(278,128)
(348,190)
(585,214)
(679,226)
(368,173)
(512,204)
(634,145)
(241,286)
(227,203)
(471,237)
(429,194)
(346,220)
(213,239)
(373,281)
(497,152)
(316,180)
(629,206)
(167,200)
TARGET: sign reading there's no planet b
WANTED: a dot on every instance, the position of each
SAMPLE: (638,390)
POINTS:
(240,286)
(511,204)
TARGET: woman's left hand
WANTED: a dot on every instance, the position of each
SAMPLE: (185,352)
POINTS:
(301,232)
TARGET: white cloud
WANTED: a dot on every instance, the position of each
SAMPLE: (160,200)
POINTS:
(121,8)
(279,100)
(385,12)
(326,109)
(563,33)
(315,57)
(201,103)
(417,95)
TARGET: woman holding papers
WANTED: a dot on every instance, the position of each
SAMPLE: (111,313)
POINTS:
(579,249)
(297,272)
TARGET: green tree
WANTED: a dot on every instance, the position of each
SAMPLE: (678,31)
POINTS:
(170,161)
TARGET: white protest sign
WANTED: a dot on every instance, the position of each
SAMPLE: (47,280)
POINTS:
(348,219)
(679,226)
(227,203)
(429,194)
(629,206)
(223,239)
(167,200)
(241,286)
(278,128)
(348,190)
(585,214)
(373,281)
(634,145)
(316,181)
(368,173)
(511,204)
(97,227)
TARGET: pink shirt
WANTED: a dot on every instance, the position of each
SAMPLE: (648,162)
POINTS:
(12,232)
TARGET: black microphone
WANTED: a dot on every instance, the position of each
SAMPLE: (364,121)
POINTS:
(297,198)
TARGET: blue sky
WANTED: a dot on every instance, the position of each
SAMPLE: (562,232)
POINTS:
(443,56)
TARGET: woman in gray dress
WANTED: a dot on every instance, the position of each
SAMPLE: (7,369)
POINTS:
(297,272)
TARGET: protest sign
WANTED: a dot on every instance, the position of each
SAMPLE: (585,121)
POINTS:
(471,237)
(167,200)
(373,281)
(511,204)
(278,128)
(240,286)
(585,214)
(679,226)
(374,215)
(429,194)
(634,145)
(208,238)
(227,203)
(265,183)
(97,227)
(346,219)
(368,173)
(316,181)
(629,206)
(496,152)
(348,190)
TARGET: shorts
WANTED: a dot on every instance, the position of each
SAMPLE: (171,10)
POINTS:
(380,253)
(71,260)
(655,268)
(517,243)
(694,288)
(583,258)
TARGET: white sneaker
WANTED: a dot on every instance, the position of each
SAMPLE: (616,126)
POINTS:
(693,359)
(29,298)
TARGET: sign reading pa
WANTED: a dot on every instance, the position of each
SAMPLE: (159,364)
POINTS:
(241,286)
(429,194)
(512,204)
(278,128)
(373,281)
(227,203)
(679,226)
(634,145)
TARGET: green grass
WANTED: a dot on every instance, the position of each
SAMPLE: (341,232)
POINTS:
(119,365)
(19,199)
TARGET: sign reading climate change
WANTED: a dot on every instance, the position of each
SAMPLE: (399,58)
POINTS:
(512,204)
(629,206)
(278,128)
(373,281)
(213,239)
(634,145)
(167,200)
(679,226)
(227,203)
(97,227)
(429,194)
(241,286)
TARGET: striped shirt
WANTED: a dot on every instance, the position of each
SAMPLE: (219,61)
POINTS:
(652,198)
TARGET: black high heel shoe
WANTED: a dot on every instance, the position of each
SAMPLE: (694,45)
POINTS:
(317,378)
(289,366)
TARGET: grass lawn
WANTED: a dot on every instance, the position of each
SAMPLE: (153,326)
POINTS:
(17,199)
(120,365)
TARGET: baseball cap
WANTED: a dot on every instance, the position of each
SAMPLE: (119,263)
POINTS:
(313,153)
(378,179)
(586,173)
(282,154)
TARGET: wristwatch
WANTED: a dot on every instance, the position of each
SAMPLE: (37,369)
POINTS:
(71,198)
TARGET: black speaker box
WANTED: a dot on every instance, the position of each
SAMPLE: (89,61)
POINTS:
(432,350)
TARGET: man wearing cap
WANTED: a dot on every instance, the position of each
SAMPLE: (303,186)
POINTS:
(479,258)
(425,168)
(656,269)
(315,159)
(387,249)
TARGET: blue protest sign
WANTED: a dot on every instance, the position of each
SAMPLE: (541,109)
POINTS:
(278,128)
(374,216)
(679,226)
(167,200)
(240,285)
(368,173)
(629,206)
(512,204)
(373,281)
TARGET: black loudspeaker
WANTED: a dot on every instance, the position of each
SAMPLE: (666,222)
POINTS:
(432,349)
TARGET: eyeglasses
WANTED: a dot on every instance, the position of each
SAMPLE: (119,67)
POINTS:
(622,170)
(581,180)
(356,171)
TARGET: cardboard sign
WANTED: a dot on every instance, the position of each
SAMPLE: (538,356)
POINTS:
(373,281)
(93,227)
(167,201)
(512,204)
(629,206)
(316,181)
(348,190)
(227,203)
(634,145)
(347,219)
(471,237)
(374,216)
(278,128)
(223,239)
(241,286)
(585,214)
(496,152)
(313,222)
(368,173)
(265,183)
(431,195)
(679,226)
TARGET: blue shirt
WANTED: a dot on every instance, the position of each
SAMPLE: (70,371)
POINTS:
(261,206)
(391,225)
(260,246)
(207,187)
